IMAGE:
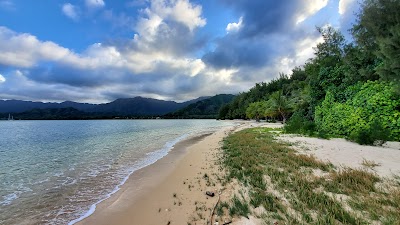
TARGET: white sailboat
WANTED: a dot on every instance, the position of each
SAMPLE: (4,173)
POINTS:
(10,117)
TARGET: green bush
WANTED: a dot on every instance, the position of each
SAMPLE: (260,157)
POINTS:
(376,134)
(299,124)
(371,114)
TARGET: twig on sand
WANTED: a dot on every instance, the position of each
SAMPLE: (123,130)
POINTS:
(213,211)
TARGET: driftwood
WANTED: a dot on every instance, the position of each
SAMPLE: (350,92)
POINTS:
(213,211)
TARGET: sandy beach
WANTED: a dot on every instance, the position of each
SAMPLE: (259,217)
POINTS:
(343,153)
(171,191)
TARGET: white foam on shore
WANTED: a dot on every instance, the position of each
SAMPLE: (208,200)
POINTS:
(154,157)
(8,199)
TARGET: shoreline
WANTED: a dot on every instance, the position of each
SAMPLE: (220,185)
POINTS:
(168,146)
(141,184)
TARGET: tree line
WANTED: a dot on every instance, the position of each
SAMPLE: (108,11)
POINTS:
(348,89)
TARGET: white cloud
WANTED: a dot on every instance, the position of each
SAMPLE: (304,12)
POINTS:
(70,11)
(344,5)
(234,27)
(311,7)
(181,11)
(92,4)
(25,50)
(2,79)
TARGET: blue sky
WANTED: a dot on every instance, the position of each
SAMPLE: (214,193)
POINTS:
(99,50)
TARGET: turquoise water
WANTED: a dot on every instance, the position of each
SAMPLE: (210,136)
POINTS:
(55,172)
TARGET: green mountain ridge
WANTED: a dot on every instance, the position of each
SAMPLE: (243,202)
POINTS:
(204,109)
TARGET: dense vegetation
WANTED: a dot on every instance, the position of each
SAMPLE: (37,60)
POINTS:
(204,109)
(349,89)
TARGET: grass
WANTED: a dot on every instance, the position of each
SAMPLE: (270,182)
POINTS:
(369,163)
(239,207)
(282,182)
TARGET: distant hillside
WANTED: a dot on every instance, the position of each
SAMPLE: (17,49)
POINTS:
(207,108)
(137,106)
(52,114)
(18,106)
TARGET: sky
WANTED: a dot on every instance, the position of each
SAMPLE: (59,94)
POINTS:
(96,51)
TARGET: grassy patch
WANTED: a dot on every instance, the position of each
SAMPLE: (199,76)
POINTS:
(281,181)
(239,207)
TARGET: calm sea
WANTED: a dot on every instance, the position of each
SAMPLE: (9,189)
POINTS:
(55,172)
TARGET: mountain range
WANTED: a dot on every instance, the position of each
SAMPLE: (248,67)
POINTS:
(123,106)
(138,107)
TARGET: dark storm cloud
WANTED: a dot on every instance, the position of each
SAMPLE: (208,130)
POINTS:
(268,30)
(72,76)
(233,51)
(262,17)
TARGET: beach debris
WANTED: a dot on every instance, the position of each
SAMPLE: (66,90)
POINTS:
(210,193)
(213,211)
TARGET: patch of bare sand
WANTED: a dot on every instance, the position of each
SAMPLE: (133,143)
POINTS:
(383,160)
(172,191)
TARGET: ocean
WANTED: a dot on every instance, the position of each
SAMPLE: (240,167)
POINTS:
(56,172)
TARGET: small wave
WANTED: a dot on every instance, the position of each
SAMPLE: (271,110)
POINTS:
(8,199)
(68,181)
(154,157)
(58,174)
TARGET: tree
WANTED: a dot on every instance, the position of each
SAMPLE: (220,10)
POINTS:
(278,104)
(378,31)
(255,110)
(325,71)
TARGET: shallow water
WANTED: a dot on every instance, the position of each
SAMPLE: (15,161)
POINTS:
(54,172)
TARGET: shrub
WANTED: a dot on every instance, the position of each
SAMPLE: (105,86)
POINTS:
(370,115)
(376,134)
(299,124)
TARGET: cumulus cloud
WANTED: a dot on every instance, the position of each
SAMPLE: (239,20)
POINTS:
(70,11)
(344,5)
(168,27)
(234,27)
(163,11)
(2,79)
(93,4)
(25,50)
(268,39)
(310,9)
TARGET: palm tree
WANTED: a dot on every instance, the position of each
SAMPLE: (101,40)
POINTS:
(278,104)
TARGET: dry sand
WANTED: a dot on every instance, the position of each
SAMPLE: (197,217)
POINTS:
(343,153)
(171,191)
